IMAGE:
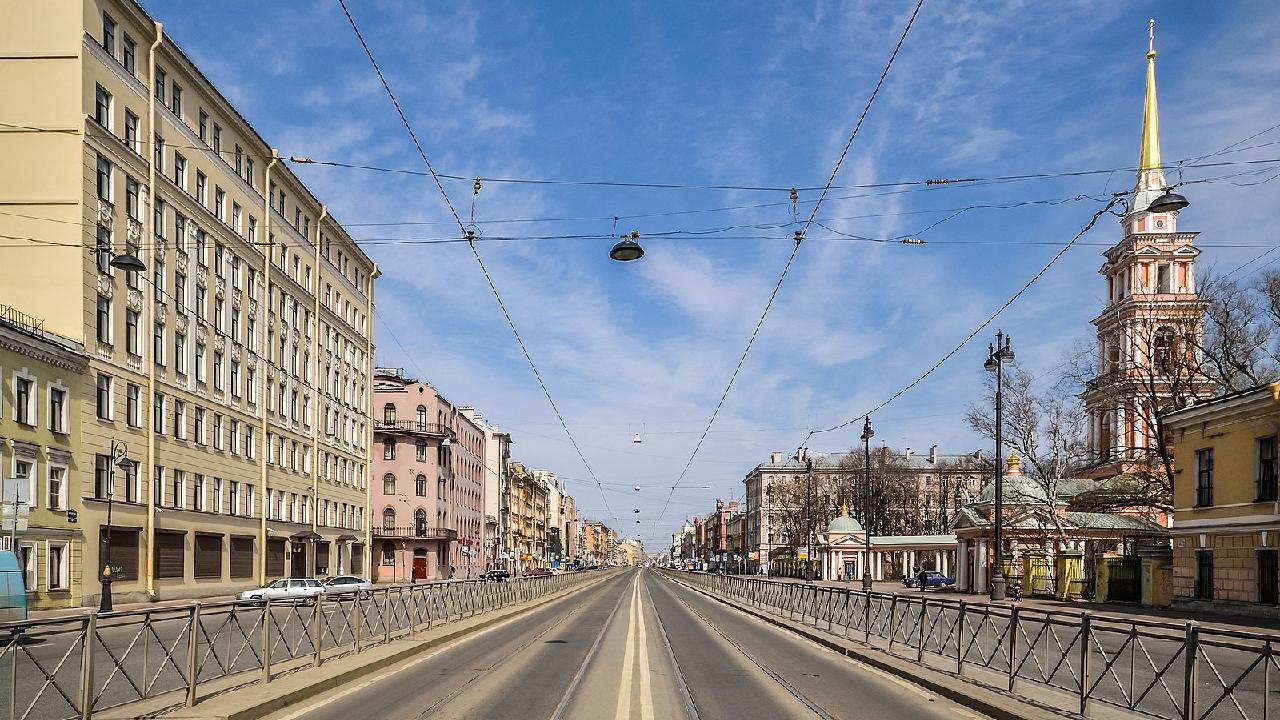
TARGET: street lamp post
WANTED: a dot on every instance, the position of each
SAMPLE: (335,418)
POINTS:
(997,356)
(867,434)
(119,458)
(803,456)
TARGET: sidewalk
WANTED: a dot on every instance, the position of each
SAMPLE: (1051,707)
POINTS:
(1216,621)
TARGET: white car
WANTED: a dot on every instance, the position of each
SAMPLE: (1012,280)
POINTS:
(340,584)
(286,589)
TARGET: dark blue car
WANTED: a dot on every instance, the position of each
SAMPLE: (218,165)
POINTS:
(932,578)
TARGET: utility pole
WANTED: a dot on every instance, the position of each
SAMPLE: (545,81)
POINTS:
(867,434)
(997,356)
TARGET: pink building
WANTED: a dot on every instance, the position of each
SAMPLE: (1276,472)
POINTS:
(427,512)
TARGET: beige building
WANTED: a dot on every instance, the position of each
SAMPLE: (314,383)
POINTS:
(237,366)
(527,517)
(39,438)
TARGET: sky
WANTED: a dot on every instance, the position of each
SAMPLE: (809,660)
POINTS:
(754,95)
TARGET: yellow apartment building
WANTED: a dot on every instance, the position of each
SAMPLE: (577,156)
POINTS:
(39,447)
(1226,518)
(237,366)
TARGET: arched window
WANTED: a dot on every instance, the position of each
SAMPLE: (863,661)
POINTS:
(1163,346)
(420,522)
(1104,442)
(389,414)
(422,416)
(420,486)
(388,484)
(388,519)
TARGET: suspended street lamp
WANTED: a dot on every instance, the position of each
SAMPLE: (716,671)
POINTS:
(627,249)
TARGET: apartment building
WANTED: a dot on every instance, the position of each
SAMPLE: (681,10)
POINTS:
(430,500)
(1226,503)
(39,433)
(497,454)
(527,521)
(237,365)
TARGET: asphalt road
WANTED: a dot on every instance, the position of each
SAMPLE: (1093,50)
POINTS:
(634,646)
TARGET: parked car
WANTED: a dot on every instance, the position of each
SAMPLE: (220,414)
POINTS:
(932,578)
(495,576)
(286,589)
(536,572)
(340,584)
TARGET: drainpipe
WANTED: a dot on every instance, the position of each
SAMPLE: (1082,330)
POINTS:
(315,376)
(148,302)
(368,401)
(264,305)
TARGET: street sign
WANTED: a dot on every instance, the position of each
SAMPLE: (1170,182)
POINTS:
(7,524)
(72,516)
(12,486)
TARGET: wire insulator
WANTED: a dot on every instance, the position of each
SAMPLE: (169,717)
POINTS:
(799,236)
(912,241)
(475,187)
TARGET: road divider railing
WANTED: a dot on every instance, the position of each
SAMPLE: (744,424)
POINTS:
(1161,669)
(72,667)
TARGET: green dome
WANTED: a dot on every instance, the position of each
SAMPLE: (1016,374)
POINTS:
(1017,490)
(843,524)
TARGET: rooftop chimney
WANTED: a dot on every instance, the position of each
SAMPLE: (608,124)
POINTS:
(906,453)
(775,458)
(933,454)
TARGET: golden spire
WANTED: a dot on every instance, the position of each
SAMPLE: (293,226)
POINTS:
(1150,159)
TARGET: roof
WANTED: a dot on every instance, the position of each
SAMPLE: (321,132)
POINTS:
(843,524)
(968,517)
(1017,489)
(1108,521)
(832,460)
(878,540)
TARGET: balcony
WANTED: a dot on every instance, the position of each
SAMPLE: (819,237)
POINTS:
(416,532)
(435,430)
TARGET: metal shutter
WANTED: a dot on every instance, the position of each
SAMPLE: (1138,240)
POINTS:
(322,558)
(357,559)
(124,552)
(241,557)
(208,556)
(275,558)
(170,555)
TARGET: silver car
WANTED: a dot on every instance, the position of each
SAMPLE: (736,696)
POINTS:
(286,589)
(340,584)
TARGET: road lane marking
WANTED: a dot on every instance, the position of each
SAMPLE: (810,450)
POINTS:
(646,685)
(628,663)
(558,713)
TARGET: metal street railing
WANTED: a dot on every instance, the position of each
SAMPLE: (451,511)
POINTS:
(74,667)
(1170,670)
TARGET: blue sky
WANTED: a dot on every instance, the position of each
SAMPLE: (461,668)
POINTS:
(754,94)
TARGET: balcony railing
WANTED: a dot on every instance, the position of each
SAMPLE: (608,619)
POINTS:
(415,531)
(413,426)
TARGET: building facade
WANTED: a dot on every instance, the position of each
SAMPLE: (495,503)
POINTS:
(527,518)
(237,367)
(1226,529)
(39,449)
(497,459)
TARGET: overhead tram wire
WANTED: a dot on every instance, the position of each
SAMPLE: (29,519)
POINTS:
(470,235)
(799,239)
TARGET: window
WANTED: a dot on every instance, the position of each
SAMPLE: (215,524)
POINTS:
(180,291)
(202,188)
(104,397)
(1204,477)
(201,438)
(57,561)
(157,486)
(1268,590)
(217,370)
(220,205)
(239,161)
(389,414)
(389,449)
(388,519)
(217,431)
(160,84)
(104,179)
(180,352)
(200,362)
(157,413)
(22,471)
(248,172)
(217,138)
(234,435)
(103,251)
(58,421)
(1266,487)
(237,216)
(197,492)
(131,205)
(388,484)
(216,505)
(235,378)
(1163,278)
(178,498)
(24,400)
(420,522)
(102,477)
(131,131)
(57,487)
(109,35)
(180,171)
(207,556)
(102,108)
(1204,574)
(131,341)
(420,486)
(170,557)
(157,146)
(104,320)
(421,451)
(388,554)
(175,100)
(130,55)
(179,419)
(234,498)
(203,126)
(131,482)
(180,231)
(133,411)
(157,344)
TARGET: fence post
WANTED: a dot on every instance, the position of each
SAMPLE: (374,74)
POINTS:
(359,619)
(193,669)
(924,616)
(960,622)
(1191,672)
(866,616)
(1013,644)
(317,616)
(90,629)
(1086,625)
(893,628)
(266,641)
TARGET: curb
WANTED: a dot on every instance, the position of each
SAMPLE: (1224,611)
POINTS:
(996,706)
(207,709)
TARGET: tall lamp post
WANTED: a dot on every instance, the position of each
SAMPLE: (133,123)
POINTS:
(867,434)
(119,458)
(803,456)
(997,356)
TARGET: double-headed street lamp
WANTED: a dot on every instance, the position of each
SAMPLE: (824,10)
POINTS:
(119,458)
(802,455)
(867,434)
(997,356)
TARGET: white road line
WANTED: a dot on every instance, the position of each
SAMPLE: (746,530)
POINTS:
(623,710)
(646,686)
